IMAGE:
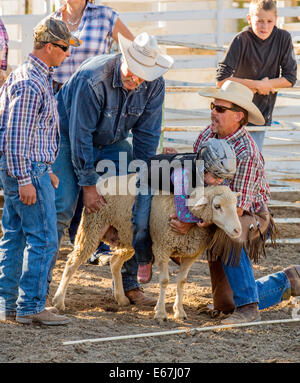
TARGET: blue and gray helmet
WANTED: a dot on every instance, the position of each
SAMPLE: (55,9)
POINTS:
(219,158)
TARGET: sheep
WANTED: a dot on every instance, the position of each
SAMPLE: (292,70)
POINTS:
(112,225)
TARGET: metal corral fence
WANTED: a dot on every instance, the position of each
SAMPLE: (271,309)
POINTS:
(282,139)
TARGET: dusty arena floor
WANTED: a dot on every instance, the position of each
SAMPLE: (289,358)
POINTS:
(94,314)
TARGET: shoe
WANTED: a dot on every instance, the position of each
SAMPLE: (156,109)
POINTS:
(212,312)
(101,256)
(137,297)
(243,314)
(45,317)
(144,273)
(293,274)
(100,259)
(50,308)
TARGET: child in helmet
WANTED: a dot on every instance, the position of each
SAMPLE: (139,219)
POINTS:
(219,167)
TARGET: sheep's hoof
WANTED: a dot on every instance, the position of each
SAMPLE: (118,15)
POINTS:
(160,317)
(123,301)
(58,303)
(180,315)
(161,321)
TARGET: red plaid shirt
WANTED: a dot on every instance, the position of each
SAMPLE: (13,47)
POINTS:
(250,177)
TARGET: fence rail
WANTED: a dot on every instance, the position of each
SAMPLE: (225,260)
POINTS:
(207,41)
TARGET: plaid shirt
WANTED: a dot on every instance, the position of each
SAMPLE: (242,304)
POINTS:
(250,178)
(28,119)
(95,31)
(3,46)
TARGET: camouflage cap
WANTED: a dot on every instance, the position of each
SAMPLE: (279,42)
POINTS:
(50,30)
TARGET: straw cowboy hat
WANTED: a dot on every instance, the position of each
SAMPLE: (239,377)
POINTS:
(238,94)
(143,57)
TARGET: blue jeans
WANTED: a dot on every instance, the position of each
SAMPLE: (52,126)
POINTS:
(141,241)
(66,195)
(28,244)
(266,291)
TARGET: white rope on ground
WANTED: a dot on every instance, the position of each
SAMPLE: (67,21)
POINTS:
(173,332)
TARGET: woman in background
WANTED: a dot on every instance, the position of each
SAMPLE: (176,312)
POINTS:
(3,51)
(95,26)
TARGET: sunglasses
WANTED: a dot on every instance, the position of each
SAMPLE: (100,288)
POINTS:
(221,108)
(63,47)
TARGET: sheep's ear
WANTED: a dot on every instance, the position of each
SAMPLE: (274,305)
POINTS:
(202,201)
(238,194)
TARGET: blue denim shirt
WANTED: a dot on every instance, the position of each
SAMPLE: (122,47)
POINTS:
(95,110)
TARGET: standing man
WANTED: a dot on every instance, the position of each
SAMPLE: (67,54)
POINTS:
(109,96)
(29,139)
(233,286)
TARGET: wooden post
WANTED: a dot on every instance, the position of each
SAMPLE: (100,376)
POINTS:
(220,28)
(28,7)
(280,20)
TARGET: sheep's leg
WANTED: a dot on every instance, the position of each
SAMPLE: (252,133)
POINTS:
(160,308)
(116,263)
(74,261)
(85,245)
(185,266)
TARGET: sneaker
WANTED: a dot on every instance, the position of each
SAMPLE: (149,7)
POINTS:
(243,314)
(101,256)
(45,317)
(144,273)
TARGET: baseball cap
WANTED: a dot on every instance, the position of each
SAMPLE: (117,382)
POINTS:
(50,30)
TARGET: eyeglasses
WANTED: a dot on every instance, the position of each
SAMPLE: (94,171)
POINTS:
(63,47)
(221,108)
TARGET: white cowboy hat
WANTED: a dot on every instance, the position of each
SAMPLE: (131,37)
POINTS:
(143,57)
(238,94)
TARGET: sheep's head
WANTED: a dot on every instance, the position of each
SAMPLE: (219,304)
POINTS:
(218,205)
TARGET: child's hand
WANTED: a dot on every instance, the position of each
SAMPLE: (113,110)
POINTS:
(169,150)
(204,224)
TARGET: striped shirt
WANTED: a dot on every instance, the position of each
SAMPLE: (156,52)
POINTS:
(3,46)
(250,177)
(28,119)
(95,32)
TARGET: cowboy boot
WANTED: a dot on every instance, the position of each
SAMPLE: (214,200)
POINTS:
(293,274)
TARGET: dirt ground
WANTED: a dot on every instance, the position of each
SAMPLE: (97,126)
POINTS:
(94,314)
